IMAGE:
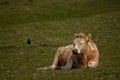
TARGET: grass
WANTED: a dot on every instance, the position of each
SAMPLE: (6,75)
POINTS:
(51,24)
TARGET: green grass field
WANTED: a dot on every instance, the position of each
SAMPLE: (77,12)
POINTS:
(51,24)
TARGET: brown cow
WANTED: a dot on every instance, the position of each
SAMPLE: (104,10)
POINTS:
(82,53)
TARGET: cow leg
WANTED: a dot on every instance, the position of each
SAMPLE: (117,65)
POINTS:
(56,58)
(84,62)
(55,62)
(92,64)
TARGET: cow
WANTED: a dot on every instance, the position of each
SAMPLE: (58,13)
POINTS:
(82,53)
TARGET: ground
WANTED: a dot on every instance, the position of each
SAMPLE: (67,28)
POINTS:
(50,24)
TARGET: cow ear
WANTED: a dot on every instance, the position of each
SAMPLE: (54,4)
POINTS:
(76,35)
(89,37)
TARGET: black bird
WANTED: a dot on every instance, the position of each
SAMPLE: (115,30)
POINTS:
(29,41)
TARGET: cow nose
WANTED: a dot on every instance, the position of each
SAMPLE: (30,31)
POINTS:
(75,51)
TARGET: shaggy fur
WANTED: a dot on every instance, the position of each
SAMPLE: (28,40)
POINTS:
(82,53)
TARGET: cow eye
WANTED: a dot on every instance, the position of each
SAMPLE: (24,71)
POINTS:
(82,43)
